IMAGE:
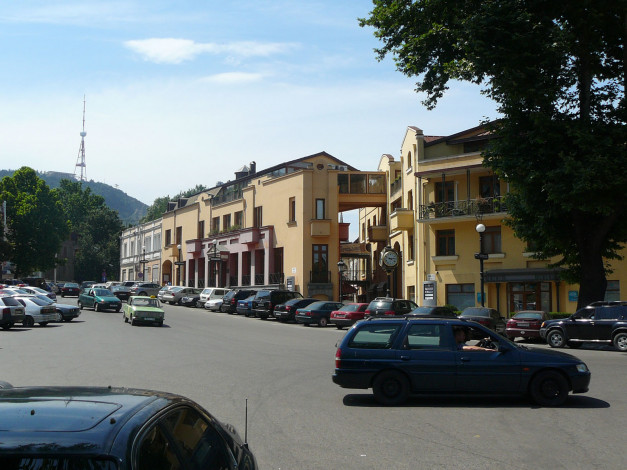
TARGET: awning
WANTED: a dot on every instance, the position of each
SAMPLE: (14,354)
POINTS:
(523,275)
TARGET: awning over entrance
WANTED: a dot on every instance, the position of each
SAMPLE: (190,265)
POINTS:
(523,275)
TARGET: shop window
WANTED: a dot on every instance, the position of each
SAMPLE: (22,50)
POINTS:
(460,295)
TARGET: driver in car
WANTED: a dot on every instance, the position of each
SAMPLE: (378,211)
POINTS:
(461,336)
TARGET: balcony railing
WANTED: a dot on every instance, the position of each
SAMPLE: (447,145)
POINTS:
(320,277)
(259,279)
(246,279)
(277,278)
(488,205)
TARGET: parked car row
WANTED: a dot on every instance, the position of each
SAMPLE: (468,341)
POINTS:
(28,309)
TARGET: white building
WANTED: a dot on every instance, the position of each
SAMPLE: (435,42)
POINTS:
(140,252)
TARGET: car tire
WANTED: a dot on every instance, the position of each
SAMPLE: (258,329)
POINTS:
(125,319)
(80,305)
(160,324)
(390,388)
(68,319)
(28,322)
(62,295)
(339,327)
(323,322)
(620,341)
(133,321)
(96,307)
(43,323)
(549,388)
(142,293)
(7,326)
(574,344)
(556,339)
(117,310)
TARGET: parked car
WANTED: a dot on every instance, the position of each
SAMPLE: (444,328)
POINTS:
(397,357)
(190,300)
(245,307)
(70,289)
(87,284)
(265,301)
(145,288)
(209,293)
(121,292)
(65,312)
(348,315)
(99,300)
(317,312)
(36,311)
(526,324)
(39,291)
(437,311)
(230,299)
(175,294)
(142,309)
(382,306)
(600,322)
(286,311)
(12,312)
(162,291)
(485,316)
(214,305)
(112,429)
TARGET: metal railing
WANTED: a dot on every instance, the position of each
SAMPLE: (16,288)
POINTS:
(488,205)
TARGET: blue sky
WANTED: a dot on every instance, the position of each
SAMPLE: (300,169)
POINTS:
(184,93)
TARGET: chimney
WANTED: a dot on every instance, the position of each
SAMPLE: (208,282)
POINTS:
(253,168)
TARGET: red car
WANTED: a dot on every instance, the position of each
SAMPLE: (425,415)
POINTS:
(70,288)
(348,315)
(526,324)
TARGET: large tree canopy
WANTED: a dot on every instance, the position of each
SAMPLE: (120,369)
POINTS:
(557,72)
(36,223)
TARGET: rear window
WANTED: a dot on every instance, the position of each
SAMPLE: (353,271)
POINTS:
(475,313)
(9,302)
(375,336)
(262,295)
(380,304)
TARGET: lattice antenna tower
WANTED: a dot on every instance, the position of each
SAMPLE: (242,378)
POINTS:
(80,160)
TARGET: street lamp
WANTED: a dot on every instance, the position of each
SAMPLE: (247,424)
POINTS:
(143,262)
(178,272)
(212,257)
(480,228)
(341,268)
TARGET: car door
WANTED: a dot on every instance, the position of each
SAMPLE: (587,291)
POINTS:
(579,324)
(487,371)
(427,357)
(89,298)
(600,326)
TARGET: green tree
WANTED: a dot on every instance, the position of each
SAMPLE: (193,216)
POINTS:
(36,222)
(557,72)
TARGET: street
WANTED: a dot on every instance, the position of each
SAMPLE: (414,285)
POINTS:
(297,418)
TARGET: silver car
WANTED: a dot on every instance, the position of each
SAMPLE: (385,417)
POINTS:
(12,312)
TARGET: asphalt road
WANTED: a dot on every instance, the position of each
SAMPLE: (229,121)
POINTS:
(299,419)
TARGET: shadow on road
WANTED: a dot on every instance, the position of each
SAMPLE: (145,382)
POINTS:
(478,401)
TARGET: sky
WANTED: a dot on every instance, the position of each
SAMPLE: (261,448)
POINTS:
(185,93)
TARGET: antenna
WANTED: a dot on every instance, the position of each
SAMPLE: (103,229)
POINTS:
(80,160)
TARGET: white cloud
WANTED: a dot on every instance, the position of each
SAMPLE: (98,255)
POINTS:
(233,77)
(175,51)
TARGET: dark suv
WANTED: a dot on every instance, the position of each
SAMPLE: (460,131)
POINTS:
(229,301)
(399,356)
(387,306)
(265,301)
(285,312)
(599,322)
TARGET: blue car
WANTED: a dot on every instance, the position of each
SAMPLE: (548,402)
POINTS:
(112,429)
(397,357)
(245,307)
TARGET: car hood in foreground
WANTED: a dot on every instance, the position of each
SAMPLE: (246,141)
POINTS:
(531,353)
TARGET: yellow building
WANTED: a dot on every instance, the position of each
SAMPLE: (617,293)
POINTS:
(276,228)
(440,195)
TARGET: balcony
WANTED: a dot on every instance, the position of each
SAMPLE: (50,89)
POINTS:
(467,207)
(195,246)
(321,227)
(402,219)
(378,233)
(249,236)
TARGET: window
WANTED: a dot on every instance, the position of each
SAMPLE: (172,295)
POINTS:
(342,183)
(147,244)
(445,192)
(124,250)
(179,235)
(376,184)
(320,209)
(201,229)
(258,217)
(489,186)
(319,264)
(410,246)
(375,336)
(226,221)
(239,219)
(460,295)
(168,237)
(292,209)
(492,240)
(425,337)
(132,248)
(612,291)
(445,242)
(410,200)
(411,293)
(358,184)
(156,243)
(215,225)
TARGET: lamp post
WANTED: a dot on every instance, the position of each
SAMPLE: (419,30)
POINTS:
(143,263)
(480,228)
(178,271)
(341,269)
(212,257)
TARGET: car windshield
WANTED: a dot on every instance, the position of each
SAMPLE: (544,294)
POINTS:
(70,284)
(38,301)
(45,298)
(528,316)
(146,302)
(174,290)
(316,305)
(102,292)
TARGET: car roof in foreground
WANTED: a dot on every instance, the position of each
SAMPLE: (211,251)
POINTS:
(77,420)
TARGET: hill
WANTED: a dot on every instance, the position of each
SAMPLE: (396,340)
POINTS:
(129,209)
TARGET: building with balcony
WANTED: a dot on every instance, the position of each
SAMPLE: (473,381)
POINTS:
(140,253)
(439,194)
(276,228)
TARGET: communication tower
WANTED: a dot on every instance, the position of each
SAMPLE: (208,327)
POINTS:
(80,161)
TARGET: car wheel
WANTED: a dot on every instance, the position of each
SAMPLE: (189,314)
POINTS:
(305,324)
(511,338)
(117,310)
(549,388)
(62,295)
(68,319)
(7,326)
(390,388)
(339,327)
(620,342)
(28,322)
(556,339)
(142,293)
(43,323)
(574,344)
(125,319)
(133,321)
(160,323)
(80,305)
(96,307)
(323,322)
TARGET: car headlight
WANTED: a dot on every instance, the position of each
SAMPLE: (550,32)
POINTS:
(582,368)
(542,326)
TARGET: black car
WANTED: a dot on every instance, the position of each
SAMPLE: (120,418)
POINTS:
(229,301)
(397,357)
(113,429)
(600,322)
(265,301)
(190,300)
(488,317)
(285,312)
(121,292)
(70,289)
(382,306)
(444,312)
(317,313)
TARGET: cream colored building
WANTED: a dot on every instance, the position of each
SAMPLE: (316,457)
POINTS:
(276,228)
(439,192)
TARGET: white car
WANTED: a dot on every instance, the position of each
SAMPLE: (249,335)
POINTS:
(213,304)
(211,293)
(37,311)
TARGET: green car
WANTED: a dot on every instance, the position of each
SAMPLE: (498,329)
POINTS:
(143,309)
(99,300)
